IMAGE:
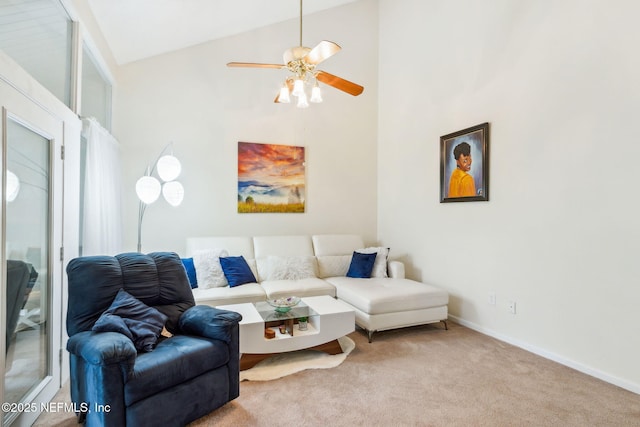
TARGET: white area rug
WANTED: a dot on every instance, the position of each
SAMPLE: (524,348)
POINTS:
(284,364)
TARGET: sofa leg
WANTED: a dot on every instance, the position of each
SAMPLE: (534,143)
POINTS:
(446,327)
(370,334)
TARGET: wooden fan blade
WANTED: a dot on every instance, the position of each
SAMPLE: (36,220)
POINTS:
(254,65)
(324,50)
(339,83)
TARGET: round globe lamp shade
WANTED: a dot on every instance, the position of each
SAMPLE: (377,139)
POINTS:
(173,192)
(168,167)
(13,186)
(148,189)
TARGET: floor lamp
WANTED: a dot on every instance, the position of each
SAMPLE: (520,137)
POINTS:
(148,187)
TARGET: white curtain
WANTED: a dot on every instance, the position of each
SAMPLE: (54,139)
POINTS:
(102,213)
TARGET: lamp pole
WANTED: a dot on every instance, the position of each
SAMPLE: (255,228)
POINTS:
(141,208)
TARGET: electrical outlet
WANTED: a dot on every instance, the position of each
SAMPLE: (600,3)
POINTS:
(492,298)
(512,307)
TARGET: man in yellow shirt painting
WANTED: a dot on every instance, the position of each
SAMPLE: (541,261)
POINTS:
(461,183)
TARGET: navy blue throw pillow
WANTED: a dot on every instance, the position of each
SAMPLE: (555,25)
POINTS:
(191,271)
(133,318)
(361,265)
(236,270)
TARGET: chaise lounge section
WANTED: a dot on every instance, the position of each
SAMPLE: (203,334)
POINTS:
(316,265)
(382,303)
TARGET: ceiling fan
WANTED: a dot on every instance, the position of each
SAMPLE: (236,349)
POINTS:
(301,61)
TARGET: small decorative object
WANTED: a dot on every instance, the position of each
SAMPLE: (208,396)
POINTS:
(269,333)
(464,165)
(283,305)
(283,329)
(302,324)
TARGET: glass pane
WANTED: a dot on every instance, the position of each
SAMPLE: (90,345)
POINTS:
(96,90)
(37,35)
(27,248)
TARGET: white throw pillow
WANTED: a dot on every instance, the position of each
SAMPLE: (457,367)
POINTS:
(333,265)
(291,268)
(380,266)
(208,269)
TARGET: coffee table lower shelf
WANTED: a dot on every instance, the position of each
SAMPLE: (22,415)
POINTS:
(248,361)
(328,320)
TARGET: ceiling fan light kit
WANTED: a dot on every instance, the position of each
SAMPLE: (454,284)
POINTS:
(301,61)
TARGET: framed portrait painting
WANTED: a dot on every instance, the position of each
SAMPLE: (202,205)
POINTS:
(464,165)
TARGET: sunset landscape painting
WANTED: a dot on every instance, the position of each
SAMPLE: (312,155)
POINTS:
(271,178)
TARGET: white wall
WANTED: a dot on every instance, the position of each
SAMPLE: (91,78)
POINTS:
(558,82)
(191,98)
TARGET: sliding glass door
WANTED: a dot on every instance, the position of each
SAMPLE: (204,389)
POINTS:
(32,242)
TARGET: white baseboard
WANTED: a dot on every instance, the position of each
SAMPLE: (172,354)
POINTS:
(627,385)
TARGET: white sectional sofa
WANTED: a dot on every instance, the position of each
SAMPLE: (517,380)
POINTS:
(305,266)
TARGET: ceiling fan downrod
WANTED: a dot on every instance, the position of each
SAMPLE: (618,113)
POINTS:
(300,23)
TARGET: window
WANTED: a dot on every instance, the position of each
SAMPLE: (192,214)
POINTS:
(96,90)
(37,35)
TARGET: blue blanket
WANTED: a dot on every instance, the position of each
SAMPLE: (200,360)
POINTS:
(131,317)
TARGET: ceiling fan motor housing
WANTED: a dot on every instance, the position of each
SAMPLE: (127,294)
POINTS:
(294,53)
(294,58)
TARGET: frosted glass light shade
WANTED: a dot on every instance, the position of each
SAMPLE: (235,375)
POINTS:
(284,95)
(148,189)
(298,88)
(302,101)
(316,95)
(13,186)
(173,192)
(168,167)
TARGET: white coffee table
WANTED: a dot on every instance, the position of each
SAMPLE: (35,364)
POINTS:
(328,320)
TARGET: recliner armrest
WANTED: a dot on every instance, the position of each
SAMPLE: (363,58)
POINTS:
(209,322)
(396,269)
(102,348)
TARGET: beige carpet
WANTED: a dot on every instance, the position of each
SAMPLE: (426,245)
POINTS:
(425,376)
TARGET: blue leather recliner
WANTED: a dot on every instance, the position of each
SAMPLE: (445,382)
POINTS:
(182,378)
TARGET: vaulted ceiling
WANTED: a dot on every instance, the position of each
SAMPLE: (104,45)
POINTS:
(137,29)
